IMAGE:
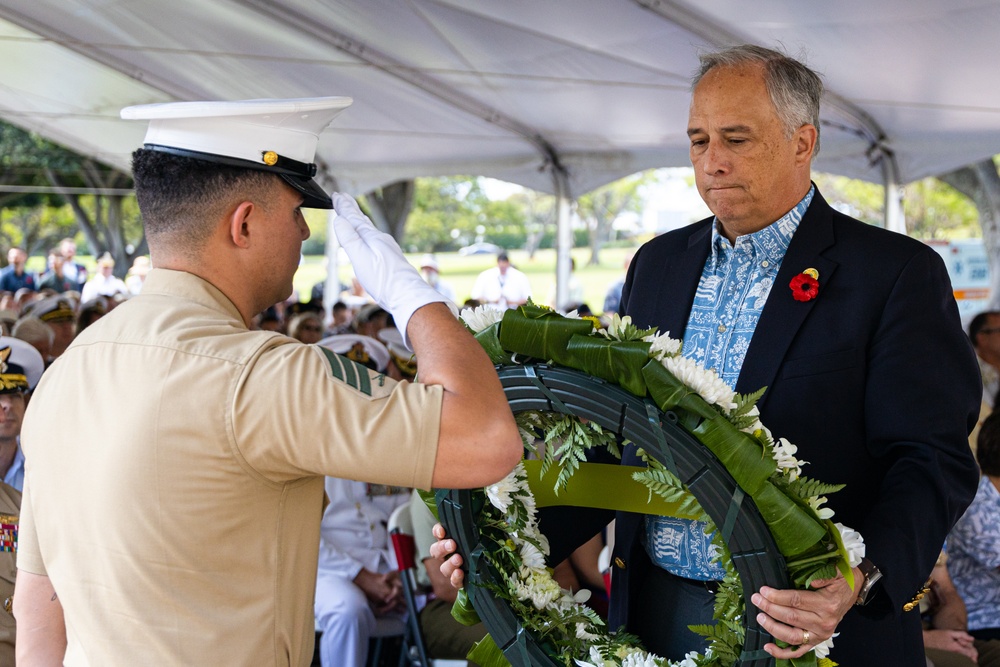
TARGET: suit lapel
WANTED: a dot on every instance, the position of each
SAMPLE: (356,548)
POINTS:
(782,315)
(680,282)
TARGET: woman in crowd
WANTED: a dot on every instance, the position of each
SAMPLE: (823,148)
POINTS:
(974,542)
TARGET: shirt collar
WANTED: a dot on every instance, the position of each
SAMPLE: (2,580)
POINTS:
(771,242)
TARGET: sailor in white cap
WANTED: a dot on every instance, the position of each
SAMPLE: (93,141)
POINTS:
(403,363)
(364,350)
(182,525)
(21,367)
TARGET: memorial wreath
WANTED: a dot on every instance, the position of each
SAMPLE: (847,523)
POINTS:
(576,388)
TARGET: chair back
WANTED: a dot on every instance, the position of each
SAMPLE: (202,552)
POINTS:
(400,527)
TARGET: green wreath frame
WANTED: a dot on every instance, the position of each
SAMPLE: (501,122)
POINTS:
(544,388)
(707,445)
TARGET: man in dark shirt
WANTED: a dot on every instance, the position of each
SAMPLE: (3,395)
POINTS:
(14,277)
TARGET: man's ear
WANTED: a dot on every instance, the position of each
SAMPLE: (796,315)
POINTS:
(805,143)
(240,223)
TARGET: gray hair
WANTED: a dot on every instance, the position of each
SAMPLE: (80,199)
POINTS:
(795,90)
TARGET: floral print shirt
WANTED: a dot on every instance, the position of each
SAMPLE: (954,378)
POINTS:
(733,289)
(974,557)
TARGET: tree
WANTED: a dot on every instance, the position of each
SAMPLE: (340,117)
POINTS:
(389,206)
(35,228)
(109,220)
(539,210)
(932,208)
(452,212)
(600,208)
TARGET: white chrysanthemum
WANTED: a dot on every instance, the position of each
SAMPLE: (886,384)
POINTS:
(499,494)
(543,542)
(531,557)
(640,659)
(481,318)
(784,455)
(663,346)
(853,543)
(705,382)
(822,649)
(689,660)
(595,659)
(538,587)
(817,504)
(583,632)
(527,499)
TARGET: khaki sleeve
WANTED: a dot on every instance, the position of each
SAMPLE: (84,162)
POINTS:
(29,556)
(299,410)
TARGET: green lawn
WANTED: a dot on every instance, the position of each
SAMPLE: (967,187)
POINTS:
(461,272)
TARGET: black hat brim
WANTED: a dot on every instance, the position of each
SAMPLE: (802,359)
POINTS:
(314,195)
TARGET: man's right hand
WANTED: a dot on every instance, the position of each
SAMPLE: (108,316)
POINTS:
(451,561)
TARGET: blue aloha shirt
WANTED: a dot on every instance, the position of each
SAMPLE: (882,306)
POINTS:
(733,289)
(974,557)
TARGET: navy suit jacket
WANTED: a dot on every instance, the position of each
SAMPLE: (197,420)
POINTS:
(874,381)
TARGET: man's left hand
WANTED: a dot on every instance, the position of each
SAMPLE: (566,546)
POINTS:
(804,618)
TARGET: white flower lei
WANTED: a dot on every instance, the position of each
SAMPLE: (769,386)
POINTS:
(533,582)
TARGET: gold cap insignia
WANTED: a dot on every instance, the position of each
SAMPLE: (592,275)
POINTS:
(270,158)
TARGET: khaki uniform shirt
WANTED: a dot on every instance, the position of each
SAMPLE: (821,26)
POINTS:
(179,522)
(10,506)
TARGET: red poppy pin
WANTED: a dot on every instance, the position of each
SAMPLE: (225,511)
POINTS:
(805,286)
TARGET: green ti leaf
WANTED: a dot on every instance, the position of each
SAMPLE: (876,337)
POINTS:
(486,653)
(540,333)
(614,361)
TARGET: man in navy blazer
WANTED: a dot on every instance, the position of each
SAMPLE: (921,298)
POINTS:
(872,377)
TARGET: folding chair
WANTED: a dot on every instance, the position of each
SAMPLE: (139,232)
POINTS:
(414,652)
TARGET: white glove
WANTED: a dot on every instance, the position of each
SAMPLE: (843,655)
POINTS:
(380,266)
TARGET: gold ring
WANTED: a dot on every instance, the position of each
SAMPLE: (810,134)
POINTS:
(805,637)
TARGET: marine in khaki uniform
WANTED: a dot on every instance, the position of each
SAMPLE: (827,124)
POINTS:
(179,525)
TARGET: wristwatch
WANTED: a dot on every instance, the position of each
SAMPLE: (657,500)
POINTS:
(872,577)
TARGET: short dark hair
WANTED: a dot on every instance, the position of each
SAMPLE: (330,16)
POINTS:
(502,256)
(978,323)
(340,305)
(988,445)
(179,195)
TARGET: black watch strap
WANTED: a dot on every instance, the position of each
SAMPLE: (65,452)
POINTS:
(868,587)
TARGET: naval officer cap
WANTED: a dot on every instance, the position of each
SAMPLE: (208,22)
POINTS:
(278,136)
(21,366)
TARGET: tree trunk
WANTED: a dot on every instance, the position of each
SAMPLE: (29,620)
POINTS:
(980,182)
(105,230)
(390,206)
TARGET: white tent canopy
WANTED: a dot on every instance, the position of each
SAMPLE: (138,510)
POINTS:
(515,89)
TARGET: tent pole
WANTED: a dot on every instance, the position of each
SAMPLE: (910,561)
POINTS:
(331,290)
(894,219)
(564,236)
